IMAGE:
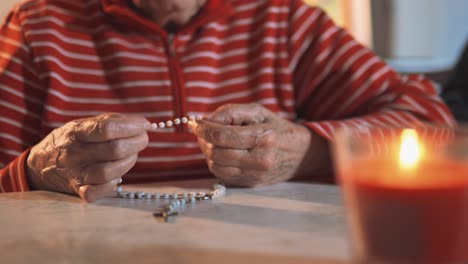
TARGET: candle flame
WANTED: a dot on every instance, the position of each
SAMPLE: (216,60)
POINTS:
(410,151)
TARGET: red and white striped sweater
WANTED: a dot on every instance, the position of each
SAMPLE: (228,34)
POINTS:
(61,60)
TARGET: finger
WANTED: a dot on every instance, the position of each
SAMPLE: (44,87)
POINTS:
(101,173)
(239,114)
(101,116)
(112,150)
(92,193)
(235,176)
(220,155)
(82,153)
(205,147)
(244,159)
(101,129)
(253,159)
(240,137)
(224,172)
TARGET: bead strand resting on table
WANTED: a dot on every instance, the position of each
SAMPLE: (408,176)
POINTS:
(178,200)
(181,199)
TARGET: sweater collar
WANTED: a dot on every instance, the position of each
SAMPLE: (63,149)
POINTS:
(124,13)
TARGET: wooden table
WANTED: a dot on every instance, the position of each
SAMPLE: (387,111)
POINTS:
(285,223)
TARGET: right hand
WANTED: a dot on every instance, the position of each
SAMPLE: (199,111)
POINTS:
(87,156)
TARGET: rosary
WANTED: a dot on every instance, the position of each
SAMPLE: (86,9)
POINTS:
(177,200)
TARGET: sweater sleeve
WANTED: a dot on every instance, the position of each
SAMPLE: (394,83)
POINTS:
(20,104)
(340,83)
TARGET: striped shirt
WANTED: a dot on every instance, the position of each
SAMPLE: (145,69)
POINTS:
(61,60)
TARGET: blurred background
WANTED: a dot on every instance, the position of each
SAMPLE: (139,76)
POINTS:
(413,36)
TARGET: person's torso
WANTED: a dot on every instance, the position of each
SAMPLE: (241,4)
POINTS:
(91,62)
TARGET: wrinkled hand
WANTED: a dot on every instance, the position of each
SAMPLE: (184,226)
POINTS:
(87,156)
(248,145)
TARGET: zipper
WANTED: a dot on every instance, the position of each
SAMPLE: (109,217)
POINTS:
(176,81)
(170,46)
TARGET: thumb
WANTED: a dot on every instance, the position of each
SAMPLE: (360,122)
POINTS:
(239,114)
(92,193)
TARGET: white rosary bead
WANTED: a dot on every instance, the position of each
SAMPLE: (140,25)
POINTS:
(166,196)
(131,195)
(140,195)
(184,195)
(182,202)
(177,121)
(217,193)
(157,196)
(184,120)
(154,126)
(162,125)
(217,186)
(119,189)
(169,123)
(148,196)
(192,118)
(175,195)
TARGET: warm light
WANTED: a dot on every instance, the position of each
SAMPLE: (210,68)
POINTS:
(410,152)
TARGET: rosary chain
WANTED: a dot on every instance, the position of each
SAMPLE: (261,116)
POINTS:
(179,200)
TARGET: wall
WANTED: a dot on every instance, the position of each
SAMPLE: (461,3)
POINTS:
(5,6)
(351,14)
(425,35)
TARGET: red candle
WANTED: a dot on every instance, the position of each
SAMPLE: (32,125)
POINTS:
(407,206)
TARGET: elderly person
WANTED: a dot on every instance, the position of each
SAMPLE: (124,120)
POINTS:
(82,81)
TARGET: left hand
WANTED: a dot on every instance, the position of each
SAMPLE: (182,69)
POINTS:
(248,145)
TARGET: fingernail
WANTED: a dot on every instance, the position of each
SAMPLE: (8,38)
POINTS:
(264,133)
(147,125)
